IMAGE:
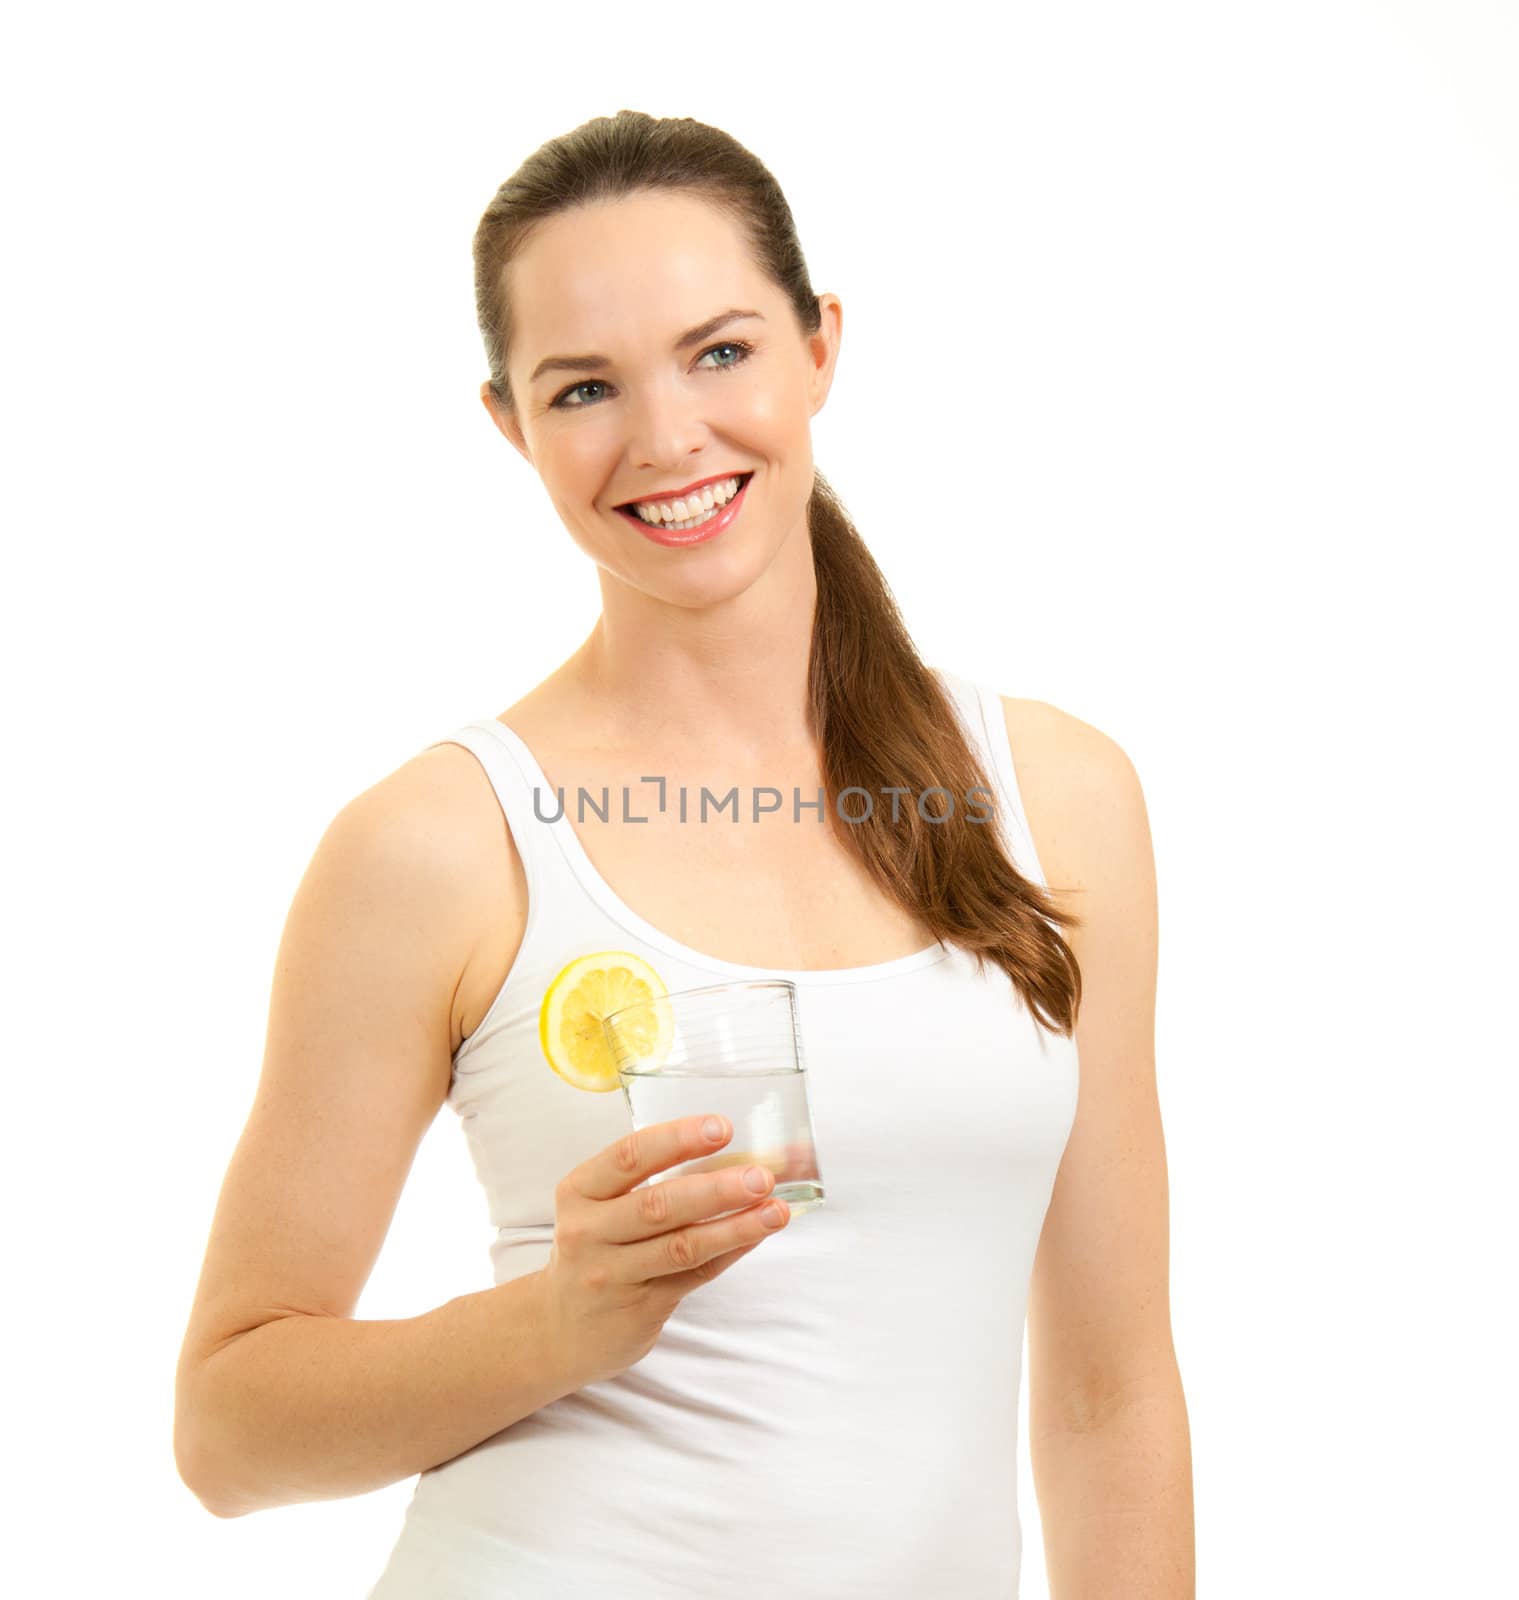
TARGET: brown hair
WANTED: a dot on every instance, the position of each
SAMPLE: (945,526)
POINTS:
(879,715)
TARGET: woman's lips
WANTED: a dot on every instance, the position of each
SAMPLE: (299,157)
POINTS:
(708,530)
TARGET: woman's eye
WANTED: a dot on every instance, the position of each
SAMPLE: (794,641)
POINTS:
(561,402)
(729,344)
(575,388)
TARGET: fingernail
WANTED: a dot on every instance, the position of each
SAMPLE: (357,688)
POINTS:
(757,1179)
(713,1127)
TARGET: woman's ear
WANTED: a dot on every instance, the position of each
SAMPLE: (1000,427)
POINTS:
(823,350)
(506,421)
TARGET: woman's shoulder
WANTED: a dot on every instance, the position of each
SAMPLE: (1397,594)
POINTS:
(435,806)
(1080,790)
(1057,738)
(437,821)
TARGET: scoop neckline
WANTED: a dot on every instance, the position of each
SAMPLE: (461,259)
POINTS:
(621,912)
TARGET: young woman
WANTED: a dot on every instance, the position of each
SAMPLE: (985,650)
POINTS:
(668,1391)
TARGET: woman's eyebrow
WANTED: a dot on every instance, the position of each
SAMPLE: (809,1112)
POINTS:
(596,363)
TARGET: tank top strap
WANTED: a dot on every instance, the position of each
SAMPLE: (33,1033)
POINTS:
(518,792)
(985,724)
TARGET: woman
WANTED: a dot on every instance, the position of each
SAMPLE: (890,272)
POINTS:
(665,1394)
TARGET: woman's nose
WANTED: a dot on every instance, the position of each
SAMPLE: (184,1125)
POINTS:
(667,423)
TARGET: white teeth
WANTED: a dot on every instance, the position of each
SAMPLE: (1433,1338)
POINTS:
(695,509)
(691,522)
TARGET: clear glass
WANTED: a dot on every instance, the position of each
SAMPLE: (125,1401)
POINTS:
(730,1049)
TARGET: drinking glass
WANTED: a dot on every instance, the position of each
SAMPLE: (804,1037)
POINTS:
(734,1049)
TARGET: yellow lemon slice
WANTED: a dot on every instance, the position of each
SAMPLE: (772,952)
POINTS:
(586,990)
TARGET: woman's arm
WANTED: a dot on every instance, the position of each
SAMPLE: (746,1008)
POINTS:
(1108,1430)
(282,1396)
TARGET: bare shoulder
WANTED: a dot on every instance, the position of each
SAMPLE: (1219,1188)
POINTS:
(1081,792)
(439,814)
(1052,744)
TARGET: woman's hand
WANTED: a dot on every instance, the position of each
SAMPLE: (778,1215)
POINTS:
(623,1257)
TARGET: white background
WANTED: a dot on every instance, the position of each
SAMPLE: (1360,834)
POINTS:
(1210,309)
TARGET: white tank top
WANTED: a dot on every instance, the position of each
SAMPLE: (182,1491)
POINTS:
(836,1415)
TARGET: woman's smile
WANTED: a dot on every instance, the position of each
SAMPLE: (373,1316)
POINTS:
(706,524)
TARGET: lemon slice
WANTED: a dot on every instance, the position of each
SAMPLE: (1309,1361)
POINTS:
(586,990)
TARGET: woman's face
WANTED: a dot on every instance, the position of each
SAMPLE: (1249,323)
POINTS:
(625,282)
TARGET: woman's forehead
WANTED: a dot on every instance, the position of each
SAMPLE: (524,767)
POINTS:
(649,245)
(585,289)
